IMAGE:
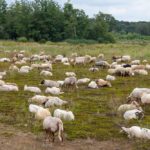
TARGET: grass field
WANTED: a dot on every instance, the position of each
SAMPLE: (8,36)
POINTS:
(94,109)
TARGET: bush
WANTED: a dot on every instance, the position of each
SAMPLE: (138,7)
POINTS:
(107,38)
(42,41)
(22,39)
(80,41)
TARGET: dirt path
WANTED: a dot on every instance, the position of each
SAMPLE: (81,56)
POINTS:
(10,139)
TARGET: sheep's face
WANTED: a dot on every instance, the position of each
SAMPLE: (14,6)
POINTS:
(139,115)
(42,82)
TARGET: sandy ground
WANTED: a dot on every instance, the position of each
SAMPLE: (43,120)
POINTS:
(12,139)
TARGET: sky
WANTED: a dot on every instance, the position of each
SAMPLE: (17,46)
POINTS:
(126,10)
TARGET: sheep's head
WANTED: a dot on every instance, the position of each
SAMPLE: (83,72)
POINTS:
(139,115)
(42,82)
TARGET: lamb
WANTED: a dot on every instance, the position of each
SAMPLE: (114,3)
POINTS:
(136,131)
(40,112)
(70,74)
(125,107)
(45,73)
(103,83)
(133,114)
(70,81)
(64,115)
(137,93)
(54,101)
(83,81)
(50,83)
(40,99)
(53,91)
(93,85)
(110,78)
(32,89)
(51,125)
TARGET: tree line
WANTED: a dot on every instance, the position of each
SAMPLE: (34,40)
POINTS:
(45,20)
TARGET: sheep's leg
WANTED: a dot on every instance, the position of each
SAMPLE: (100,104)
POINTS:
(53,137)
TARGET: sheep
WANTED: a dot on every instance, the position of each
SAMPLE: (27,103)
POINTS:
(147,67)
(133,114)
(125,107)
(135,62)
(9,87)
(40,99)
(32,89)
(110,78)
(136,67)
(103,83)
(47,66)
(64,60)
(4,60)
(126,66)
(111,71)
(13,68)
(103,64)
(101,56)
(136,131)
(45,73)
(82,60)
(70,74)
(61,83)
(2,82)
(51,125)
(3,73)
(93,69)
(21,62)
(145,61)
(40,112)
(50,83)
(64,115)
(93,85)
(59,58)
(137,93)
(53,91)
(126,58)
(141,72)
(83,81)
(23,71)
(70,81)
(54,101)
(145,98)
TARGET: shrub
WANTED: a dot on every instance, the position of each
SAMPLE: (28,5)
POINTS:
(80,41)
(22,39)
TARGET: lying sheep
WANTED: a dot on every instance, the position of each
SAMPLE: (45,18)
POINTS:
(46,73)
(136,131)
(64,115)
(133,114)
(32,89)
(110,78)
(54,101)
(70,74)
(125,107)
(40,112)
(140,72)
(51,125)
(50,83)
(83,81)
(53,91)
(93,85)
(103,83)
(40,99)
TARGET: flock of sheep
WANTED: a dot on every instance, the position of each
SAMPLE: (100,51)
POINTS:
(39,105)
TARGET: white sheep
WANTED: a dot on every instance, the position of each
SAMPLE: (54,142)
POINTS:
(53,91)
(4,60)
(136,131)
(51,125)
(64,115)
(13,68)
(133,114)
(110,78)
(103,83)
(93,69)
(135,62)
(50,83)
(93,85)
(147,67)
(9,87)
(40,99)
(83,81)
(145,98)
(140,72)
(46,73)
(32,89)
(70,82)
(55,101)
(70,74)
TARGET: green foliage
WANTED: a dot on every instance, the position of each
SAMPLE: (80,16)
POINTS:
(80,41)
(22,39)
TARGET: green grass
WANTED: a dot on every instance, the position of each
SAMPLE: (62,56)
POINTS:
(93,109)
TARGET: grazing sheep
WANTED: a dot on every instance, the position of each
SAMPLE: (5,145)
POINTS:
(133,114)
(55,101)
(83,81)
(137,67)
(3,73)
(64,115)
(40,112)
(135,62)
(93,69)
(126,66)
(93,85)
(51,125)
(58,58)
(103,64)
(13,68)
(111,71)
(145,98)
(141,72)
(50,83)
(70,74)
(110,78)
(124,107)
(136,131)
(8,87)
(46,66)
(40,99)
(147,67)
(32,89)
(53,91)
(23,71)
(137,93)
(70,82)
(103,83)
(61,83)
(45,73)
(4,60)
(126,58)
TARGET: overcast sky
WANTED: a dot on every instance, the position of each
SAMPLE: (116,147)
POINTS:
(127,10)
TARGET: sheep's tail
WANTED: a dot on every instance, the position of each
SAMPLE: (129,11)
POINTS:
(60,131)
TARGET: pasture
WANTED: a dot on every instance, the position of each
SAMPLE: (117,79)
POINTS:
(95,109)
